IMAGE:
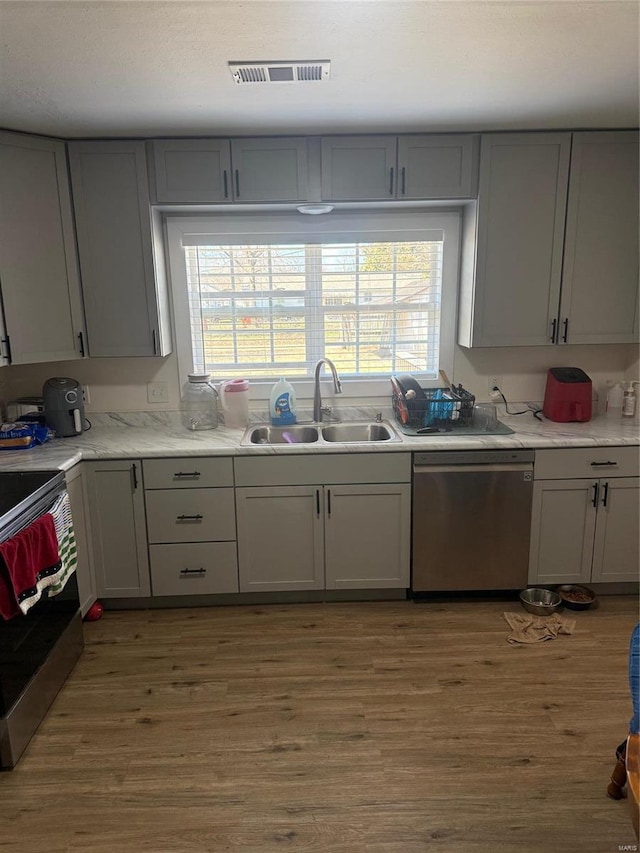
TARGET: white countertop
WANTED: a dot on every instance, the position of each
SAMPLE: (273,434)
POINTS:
(144,435)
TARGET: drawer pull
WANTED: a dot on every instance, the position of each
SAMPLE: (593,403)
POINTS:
(602,464)
(179,475)
(189,517)
(191,572)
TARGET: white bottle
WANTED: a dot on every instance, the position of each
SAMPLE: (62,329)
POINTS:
(282,405)
(614,401)
(629,401)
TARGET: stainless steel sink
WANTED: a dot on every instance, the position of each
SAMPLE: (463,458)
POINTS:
(294,434)
(360,432)
(364,432)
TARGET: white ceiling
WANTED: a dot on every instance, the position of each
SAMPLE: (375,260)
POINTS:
(159,67)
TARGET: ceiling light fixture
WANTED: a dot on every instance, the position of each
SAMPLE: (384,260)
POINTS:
(314,209)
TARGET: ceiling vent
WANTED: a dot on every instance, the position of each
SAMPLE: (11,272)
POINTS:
(280,72)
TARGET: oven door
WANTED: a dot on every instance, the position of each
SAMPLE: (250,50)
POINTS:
(37,652)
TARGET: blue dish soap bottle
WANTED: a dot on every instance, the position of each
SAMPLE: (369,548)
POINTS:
(282,405)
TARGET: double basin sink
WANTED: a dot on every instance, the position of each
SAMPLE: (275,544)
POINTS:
(346,433)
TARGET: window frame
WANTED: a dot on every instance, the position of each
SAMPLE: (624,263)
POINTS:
(343,225)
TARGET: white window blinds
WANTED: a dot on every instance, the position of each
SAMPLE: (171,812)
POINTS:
(273,305)
(262,310)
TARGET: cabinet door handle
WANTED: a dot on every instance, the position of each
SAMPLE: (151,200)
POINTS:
(554,329)
(318,503)
(191,572)
(565,329)
(81,343)
(179,475)
(603,464)
(196,517)
(7,342)
(391,181)
(134,474)
(329,502)
(225,183)
(237,184)
(404,184)
(154,341)
(595,495)
(605,494)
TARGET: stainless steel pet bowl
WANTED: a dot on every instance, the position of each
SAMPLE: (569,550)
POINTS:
(542,602)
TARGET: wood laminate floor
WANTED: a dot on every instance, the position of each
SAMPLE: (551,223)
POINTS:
(386,727)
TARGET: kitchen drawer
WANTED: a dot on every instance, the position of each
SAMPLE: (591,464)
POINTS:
(338,469)
(582,462)
(190,515)
(188,473)
(200,569)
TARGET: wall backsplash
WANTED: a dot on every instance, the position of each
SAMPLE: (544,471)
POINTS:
(120,384)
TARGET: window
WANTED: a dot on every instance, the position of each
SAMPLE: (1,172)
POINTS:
(266,296)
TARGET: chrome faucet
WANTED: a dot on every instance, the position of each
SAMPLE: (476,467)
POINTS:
(317,397)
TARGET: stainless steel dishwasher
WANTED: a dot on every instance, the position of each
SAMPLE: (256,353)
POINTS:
(471,519)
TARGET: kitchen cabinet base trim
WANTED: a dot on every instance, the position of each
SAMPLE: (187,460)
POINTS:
(253,598)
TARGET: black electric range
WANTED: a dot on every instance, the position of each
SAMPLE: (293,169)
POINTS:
(39,649)
(21,495)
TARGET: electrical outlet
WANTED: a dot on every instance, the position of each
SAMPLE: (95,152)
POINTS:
(157,392)
(86,395)
(494,382)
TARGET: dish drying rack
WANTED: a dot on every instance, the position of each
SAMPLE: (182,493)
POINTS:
(440,408)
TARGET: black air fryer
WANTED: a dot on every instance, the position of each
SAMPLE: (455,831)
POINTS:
(63,406)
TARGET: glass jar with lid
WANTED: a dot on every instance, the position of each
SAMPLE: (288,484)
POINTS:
(199,404)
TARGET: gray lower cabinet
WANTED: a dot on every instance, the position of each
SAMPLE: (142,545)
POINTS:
(280,538)
(367,536)
(118,530)
(330,533)
(77,490)
(207,171)
(191,526)
(121,260)
(39,273)
(585,528)
(599,301)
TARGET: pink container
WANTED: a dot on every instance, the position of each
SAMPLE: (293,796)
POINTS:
(234,396)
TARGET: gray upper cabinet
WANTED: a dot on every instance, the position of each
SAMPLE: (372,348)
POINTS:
(207,171)
(510,280)
(438,166)
(195,171)
(361,168)
(123,290)
(378,168)
(38,266)
(269,169)
(600,277)
(551,251)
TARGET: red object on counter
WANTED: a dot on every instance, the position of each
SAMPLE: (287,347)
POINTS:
(567,396)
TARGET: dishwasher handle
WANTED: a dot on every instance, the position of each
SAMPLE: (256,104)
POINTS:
(480,468)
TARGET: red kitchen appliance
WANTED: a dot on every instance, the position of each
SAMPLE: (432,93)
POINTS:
(567,396)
